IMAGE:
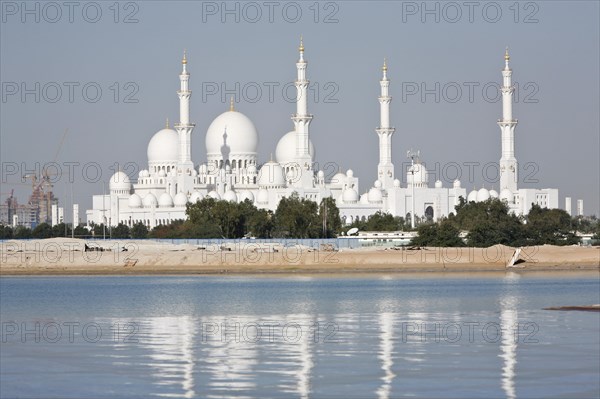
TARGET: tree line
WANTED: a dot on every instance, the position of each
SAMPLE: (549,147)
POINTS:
(484,223)
(490,222)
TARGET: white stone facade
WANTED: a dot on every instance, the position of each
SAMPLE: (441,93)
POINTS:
(231,169)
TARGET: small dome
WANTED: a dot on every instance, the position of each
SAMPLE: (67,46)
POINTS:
(150,201)
(396,183)
(120,182)
(438,184)
(338,179)
(135,201)
(421,176)
(246,195)
(375,195)
(234,130)
(456,183)
(483,195)
(493,194)
(195,197)
(377,184)
(180,199)
(262,196)
(364,199)
(507,195)
(230,196)
(321,174)
(472,197)
(144,173)
(165,200)
(350,173)
(285,152)
(271,175)
(163,147)
(350,196)
(214,195)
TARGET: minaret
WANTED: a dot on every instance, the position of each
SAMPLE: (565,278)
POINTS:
(184,129)
(508,162)
(302,121)
(385,169)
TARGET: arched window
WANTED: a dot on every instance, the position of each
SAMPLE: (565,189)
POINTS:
(429,213)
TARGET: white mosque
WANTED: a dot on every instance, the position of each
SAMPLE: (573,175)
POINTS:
(232,171)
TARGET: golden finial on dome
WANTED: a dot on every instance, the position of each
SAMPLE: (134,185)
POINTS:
(167,124)
(184,60)
(506,56)
(301,48)
(231,108)
(384,64)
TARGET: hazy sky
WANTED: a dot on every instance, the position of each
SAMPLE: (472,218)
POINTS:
(444,63)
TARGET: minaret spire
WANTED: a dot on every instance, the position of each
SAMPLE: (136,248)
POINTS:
(508,162)
(301,49)
(184,129)
(385,168)
(384,69)
(302,121)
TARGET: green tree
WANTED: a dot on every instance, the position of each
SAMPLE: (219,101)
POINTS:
(585,224)
(488,223)
(549,226)
(171,230)
(260,223)
(81,232)
(6,232)
(329,212)
(22,232)
(202,218)
(42,230)
(381,221)
(229,219)
(296,217)
(100,231)
(61,230)
(139,231)
(442,234)
(120,231)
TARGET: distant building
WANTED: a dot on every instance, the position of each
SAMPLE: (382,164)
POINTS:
(14,214)
(385,238)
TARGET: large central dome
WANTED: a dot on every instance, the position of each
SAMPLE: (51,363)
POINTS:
(231,134)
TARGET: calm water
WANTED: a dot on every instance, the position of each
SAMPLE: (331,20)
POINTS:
(364,336)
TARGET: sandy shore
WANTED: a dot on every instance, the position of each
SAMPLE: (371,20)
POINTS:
(64,256)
